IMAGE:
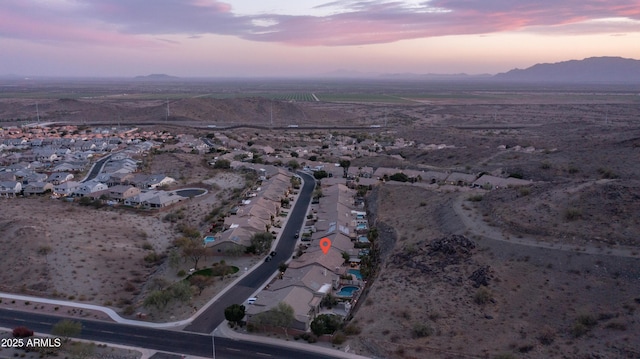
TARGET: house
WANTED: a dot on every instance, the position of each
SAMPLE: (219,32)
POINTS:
(460,179)
(151,181)
(65,188)
(153,199)
(34,177)
(434,177)
(57,178)
(304,302)
(162,199)
(37,188)
(488,181)
(88,188)
(46,155)
(10,188)
(121,192)
(70,166)
(119,178)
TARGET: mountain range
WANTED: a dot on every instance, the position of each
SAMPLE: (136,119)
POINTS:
(589,70)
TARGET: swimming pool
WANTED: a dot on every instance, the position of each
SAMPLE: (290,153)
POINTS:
(356,272)
(361,226)
(209,239)
(347,291)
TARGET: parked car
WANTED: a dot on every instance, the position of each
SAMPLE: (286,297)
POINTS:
(273,254)
(267,259)
(297,234)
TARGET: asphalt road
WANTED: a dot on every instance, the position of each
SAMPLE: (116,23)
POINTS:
(238,294)
(157,339)
(97,167)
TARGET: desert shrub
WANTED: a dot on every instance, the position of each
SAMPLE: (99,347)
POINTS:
(181,273)
(547,335)
(571,214)
(525,191)
(129,310)
(310,338)
(583,324)
(616,326)
(607,173)
(525,348)
(222,164)
(338,338)
(147,246)
(352,329)
(545,165)
(421,330)
(573,170)
(587,320)
(152,257)
(578,330)
(475,198)
(482,296)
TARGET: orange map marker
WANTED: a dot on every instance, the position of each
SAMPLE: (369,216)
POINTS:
(325,244)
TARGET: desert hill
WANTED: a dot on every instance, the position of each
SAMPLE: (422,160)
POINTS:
(195,111)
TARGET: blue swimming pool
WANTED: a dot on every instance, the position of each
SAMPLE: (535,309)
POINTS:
(209,239)
(356,272)
(363,239)
(347,291)
(361,226)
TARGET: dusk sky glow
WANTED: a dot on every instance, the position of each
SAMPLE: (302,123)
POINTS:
(209,38)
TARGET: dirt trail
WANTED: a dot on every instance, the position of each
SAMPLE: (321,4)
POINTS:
(472,220)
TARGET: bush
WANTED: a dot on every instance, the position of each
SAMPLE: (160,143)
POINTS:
(421,330)
(482,296)
(399,177)
(547,336)
(571,214)
(583,324)
(338,339)
(475,198)
(222,164)
(352,329)
(325,324)
(152,257)
(607,173)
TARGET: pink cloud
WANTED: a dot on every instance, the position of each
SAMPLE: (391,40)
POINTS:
(21,27)
(363,22)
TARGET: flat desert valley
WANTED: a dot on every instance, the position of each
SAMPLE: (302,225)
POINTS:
(550,269)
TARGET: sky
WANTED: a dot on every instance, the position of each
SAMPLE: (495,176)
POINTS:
(273,38)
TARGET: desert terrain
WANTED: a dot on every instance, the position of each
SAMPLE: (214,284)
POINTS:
(548,270)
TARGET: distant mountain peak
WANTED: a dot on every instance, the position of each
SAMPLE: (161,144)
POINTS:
(605,69)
